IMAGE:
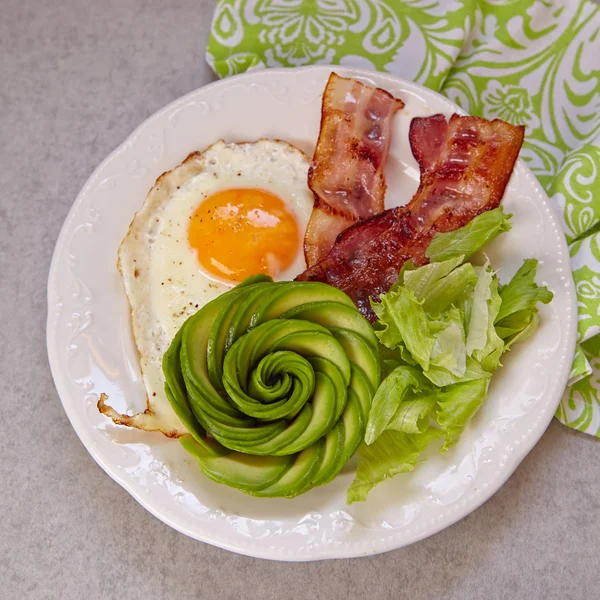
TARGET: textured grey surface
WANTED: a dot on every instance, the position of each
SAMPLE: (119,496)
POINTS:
(76,77)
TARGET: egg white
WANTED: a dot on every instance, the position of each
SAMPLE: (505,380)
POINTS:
(163,279)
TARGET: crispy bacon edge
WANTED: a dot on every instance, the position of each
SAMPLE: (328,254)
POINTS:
(367,146)
(366,258)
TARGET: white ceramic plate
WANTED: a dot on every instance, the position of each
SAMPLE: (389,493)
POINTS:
(91,348)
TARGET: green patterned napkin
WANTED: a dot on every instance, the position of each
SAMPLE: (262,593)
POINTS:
(530,62)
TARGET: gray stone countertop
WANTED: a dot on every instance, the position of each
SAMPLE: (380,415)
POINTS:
(76,77)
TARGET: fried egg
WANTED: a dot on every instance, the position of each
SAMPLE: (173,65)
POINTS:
(229,212)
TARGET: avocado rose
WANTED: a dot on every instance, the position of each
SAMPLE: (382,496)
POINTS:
(274,383)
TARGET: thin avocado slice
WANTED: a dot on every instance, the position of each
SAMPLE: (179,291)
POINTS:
(334,314)
(217,340)
(202,395)
(274,377)
(332,456)
(242,471)
(349,431)
(323,415)
(215,415)
(278,444)
(175,390)
(242,437)
(270,445)
(314,343)
(210,447)
(354,428)
(322,365)
(360,354)
(244,318)
(299,476)
(207,404)
(223,330)
(363,391)
(195,429)
(295,293)
(252,279)
(282,376)
(234,434)
(194,343)
(261,344)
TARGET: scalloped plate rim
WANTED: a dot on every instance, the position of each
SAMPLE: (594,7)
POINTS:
(335,550)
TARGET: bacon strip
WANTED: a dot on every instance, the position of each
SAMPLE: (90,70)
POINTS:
(465,166)
(346,174)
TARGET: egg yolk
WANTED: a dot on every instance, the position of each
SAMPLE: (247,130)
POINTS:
(241,232)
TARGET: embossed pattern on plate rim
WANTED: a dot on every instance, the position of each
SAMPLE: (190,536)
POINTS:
(334,549)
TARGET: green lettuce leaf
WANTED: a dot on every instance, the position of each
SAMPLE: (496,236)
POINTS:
(423,279)
(486,346)
(389,396)
(392,453)
(443,328)
(517,317)
(450,289)
(469,239)
(412,415)
(388,365)
(394,357)
(386,329)
(477,310)
(450,350)
(457,405)
(441,377)
(404,321)
(398,355)
(516,328)
(438,285)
